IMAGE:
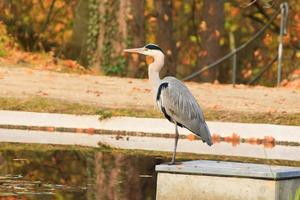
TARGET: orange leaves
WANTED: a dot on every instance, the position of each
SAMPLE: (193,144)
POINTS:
(216,106)
(166,17)
(294,79)
(40,61)
(258,54)
(186,61)
(203,53)
(50,20)
(141,90)
(130,16)
(296,72)
(97,93)
(90,131)
(58,27)
(79,130)
(286,39)
(50,129)
(252,141)
(149,60)
(40,92)
(60,4)
(191,137)
(40,17)
(152,19)
(203,26)
(291,84)
(11,197)
(216,138)
(268,39)
(296,27)
(217,33)
(246,73)
(71,64)
(178,44)
(135,57)
(169,52)
(234,11)
(267,141)
(235,140)
(29,72)
(271,110)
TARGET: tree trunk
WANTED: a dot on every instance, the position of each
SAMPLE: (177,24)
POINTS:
(164,35)
(111,182)
(211,32)
(77,48)
(136,25)
(121,26)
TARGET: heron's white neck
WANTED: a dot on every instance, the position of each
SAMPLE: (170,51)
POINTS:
(153,73)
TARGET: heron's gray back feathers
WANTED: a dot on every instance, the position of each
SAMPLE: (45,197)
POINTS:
(177,101)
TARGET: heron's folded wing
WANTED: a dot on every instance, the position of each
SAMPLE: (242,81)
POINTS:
(179,103)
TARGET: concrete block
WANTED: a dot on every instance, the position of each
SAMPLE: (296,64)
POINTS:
(212,180)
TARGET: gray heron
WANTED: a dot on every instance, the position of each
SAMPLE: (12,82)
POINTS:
(173,98)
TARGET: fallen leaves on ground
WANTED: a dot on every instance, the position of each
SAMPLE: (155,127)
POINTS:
(44,61)
(293,80)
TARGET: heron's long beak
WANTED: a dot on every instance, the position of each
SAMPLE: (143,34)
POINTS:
(135,50)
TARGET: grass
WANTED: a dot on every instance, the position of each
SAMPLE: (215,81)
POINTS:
(4,146)
(166,156)
(2,51)
(42,104)
(258,117)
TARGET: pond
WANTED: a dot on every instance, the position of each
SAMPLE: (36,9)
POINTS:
(36,171)
(27,173)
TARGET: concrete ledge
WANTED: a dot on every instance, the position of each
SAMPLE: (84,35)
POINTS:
(211,180)
(253,132)
(230,139)
(288,153)
(235,169)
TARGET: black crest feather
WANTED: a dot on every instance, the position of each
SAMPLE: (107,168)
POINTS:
(153,47)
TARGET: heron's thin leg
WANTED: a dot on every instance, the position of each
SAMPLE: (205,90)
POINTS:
(175,145)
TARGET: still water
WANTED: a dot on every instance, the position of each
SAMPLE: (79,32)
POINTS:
(75,174)
(56,172)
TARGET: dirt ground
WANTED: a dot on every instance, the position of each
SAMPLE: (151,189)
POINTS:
(113,92)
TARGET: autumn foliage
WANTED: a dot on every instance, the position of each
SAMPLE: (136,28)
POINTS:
(48,26)
(39,25)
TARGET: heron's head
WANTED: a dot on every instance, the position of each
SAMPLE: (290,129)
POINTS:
(151,50)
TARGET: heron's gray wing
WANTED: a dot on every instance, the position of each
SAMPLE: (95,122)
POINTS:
(179,105)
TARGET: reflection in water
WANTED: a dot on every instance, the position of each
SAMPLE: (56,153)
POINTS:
(124,177)
(70,174)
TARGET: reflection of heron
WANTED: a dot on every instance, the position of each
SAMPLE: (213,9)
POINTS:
(173,98)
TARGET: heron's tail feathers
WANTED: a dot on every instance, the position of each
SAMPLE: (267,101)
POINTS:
(205,134)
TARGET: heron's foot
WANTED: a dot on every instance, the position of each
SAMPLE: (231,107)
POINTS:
(171,163)
(173,160)
(174,163)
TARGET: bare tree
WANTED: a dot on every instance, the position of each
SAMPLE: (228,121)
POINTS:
(121,26)
(164,34)
(136,25)
(77,49)
(211,31)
